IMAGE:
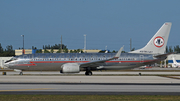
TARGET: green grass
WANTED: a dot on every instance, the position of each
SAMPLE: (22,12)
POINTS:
(89,98)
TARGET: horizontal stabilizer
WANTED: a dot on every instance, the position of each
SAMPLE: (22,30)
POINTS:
(163,55)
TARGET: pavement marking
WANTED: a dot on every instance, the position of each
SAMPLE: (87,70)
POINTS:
(25,89)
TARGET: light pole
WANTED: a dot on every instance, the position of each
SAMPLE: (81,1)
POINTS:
(23,44)
(84,43)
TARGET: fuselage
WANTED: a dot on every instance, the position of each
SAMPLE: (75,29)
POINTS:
(54,61)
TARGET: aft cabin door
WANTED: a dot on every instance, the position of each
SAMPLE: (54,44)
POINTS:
(141,58)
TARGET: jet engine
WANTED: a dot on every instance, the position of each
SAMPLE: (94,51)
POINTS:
(70,68)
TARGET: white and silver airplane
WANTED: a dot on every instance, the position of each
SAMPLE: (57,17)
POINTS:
(153,52)
(175,64)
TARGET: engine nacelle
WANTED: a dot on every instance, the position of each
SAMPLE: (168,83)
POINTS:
(70,68)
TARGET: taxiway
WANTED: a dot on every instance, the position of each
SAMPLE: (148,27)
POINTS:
(55,83)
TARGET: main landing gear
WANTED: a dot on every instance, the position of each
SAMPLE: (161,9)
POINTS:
(88,71)
(21,73)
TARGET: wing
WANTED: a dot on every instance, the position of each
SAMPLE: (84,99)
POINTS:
(98,63)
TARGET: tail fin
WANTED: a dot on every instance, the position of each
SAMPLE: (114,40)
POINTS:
(174,61)
(157,44)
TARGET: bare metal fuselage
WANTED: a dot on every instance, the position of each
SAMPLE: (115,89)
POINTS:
(49,61)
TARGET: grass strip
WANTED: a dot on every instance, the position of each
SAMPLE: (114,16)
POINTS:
(89,98)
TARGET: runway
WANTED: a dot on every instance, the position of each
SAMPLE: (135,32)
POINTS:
(88,85)
(91,89)
(87,79)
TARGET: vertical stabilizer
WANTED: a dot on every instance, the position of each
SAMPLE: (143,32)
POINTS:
(157,44)
(174,61)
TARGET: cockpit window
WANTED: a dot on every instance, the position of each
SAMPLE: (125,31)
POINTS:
(12,59)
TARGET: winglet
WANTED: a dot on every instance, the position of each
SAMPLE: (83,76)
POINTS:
(119,52)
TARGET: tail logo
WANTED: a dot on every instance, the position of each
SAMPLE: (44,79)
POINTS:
(158,41)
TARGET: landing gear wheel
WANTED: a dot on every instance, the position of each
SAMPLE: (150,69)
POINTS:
(21,73)
(88,73)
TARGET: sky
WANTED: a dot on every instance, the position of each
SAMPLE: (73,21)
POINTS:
(110,23)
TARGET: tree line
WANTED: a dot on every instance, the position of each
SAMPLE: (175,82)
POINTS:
(64,48)
(7,52)
(171,49)
(50,49)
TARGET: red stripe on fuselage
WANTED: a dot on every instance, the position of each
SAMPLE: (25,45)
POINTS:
(128,61)
(32,64)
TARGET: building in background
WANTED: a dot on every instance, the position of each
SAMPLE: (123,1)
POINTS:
(26,51)
(176,56)
(2,60)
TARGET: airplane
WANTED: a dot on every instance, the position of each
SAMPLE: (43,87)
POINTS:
(175,63)
(153,52)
